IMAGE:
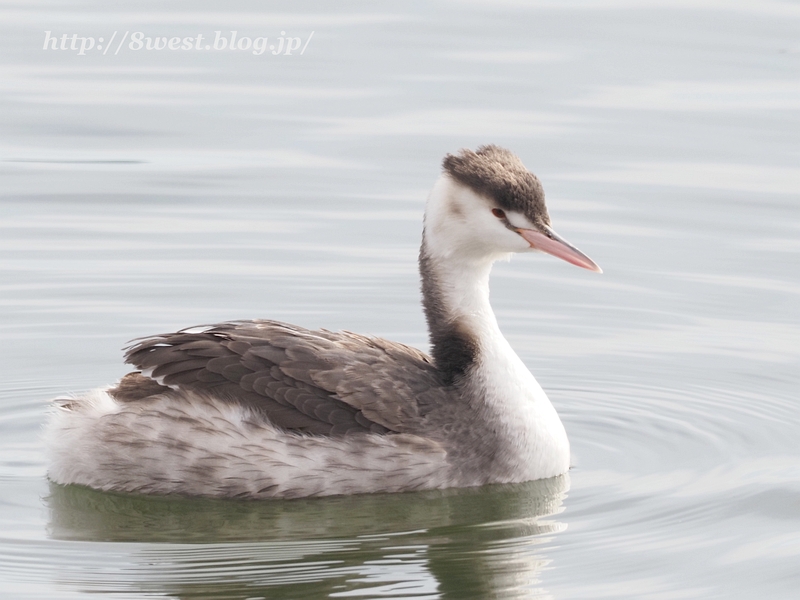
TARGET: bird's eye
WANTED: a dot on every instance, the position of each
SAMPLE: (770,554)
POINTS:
(498,213)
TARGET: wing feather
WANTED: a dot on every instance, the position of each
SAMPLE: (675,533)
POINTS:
(313,381)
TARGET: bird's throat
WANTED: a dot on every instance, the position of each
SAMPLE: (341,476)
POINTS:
(455,293)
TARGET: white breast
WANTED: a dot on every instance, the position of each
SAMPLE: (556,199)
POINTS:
(525,418)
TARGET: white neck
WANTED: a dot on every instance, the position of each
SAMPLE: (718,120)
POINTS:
(455,268)
(464,287)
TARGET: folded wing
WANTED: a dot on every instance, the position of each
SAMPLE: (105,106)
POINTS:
(317,382)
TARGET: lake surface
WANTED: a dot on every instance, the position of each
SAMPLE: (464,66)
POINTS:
(146,191)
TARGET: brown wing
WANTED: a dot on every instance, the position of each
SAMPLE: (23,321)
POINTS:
(313,381)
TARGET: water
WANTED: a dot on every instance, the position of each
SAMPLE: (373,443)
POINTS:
(148,191)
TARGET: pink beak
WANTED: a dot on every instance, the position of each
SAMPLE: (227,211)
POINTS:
(552,243)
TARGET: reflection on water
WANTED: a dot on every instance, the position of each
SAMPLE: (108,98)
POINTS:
(480,543)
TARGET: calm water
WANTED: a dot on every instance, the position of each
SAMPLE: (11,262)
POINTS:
(144,191)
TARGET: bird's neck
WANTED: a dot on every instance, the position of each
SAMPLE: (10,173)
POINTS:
(455,292)
(518,424)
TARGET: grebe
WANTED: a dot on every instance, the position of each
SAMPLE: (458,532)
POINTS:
(263,409)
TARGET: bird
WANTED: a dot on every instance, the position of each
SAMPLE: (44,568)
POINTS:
(265,409)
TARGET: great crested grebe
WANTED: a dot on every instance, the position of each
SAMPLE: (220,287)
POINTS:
(265,409)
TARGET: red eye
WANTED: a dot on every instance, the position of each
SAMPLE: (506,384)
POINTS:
(498,213)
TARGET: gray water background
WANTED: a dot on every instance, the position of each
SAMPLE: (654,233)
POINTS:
(142,192)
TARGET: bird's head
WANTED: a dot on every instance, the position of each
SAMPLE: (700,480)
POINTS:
(487,205)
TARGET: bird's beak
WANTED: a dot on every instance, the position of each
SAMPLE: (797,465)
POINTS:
(554,244)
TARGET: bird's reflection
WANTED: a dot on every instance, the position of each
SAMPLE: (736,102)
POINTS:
(478,542)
